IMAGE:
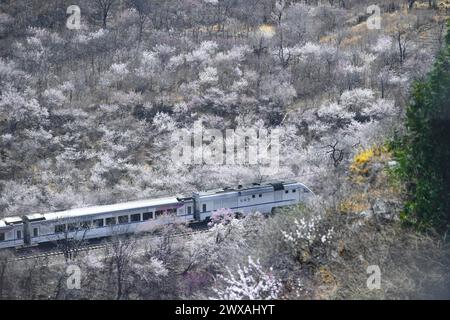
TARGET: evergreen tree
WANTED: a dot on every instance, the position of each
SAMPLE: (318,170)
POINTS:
(425,156)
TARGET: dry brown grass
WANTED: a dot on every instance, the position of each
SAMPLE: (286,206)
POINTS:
(412,265)
(390,23)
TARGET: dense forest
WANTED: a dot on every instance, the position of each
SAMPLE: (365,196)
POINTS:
(87,114)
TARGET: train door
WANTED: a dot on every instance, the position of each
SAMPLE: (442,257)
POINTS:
(26,232)
(278,196)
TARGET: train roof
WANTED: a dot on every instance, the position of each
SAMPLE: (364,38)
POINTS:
(85,211)
(10,221)
(112,208)
(252,188)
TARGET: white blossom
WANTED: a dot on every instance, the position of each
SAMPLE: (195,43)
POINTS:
(249,282)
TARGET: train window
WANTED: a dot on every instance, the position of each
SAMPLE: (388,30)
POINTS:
(110,221)
(135,217)
(189,210)
(123,219)
(72,226)
(85,225)
(287,191)
(35,232)
(19,234)
(98,223)
(260,195)
(295,190)
(254,196)
(60,228)
(204,207)
(159,213)
(147,216)
(2,236)
(172,211)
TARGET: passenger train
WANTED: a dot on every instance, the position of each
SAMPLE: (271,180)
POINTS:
(139,216)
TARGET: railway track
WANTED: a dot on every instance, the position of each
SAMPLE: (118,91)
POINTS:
(87,248)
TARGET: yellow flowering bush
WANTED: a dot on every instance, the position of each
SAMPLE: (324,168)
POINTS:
(360,166)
